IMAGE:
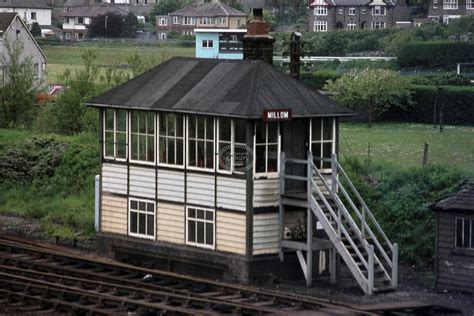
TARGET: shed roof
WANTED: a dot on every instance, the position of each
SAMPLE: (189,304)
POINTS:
(208,9)
(236,88)
(460,201)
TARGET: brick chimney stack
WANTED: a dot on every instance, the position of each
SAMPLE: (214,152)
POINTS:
(258,44)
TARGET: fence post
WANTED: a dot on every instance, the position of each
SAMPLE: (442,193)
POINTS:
(281,206)
(370,280)
(425,155)
(395,265)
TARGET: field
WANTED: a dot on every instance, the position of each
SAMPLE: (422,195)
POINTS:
(402,144)
(61,58)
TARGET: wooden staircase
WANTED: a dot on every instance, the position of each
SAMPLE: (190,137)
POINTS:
(353,232)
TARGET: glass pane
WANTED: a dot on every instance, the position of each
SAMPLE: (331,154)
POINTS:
(200,127)
(134,205)
(327,153)
(171,124)
(171,151)
(179,125)
(179,152)
(109,120)
(141,223)
(240,131)
(162,150)
(200,232)
(192,213)
(209,154)
(260,132)
(200,154)
(316,130)
(121,145)
(151,123)
(150,207)
(162,122)
(134,146)
(467,233)
(151,148)
(273,132)
(142,122)
(260,159)
(142,148)
(225,129)
(224,157)
(192,153)
(134,120)
(122,120)
(210,128)
(192,126)
(241,158)
(142,206)
(209,216)
(133,222)
(209,234)
(459,230)
(272,158)
(327,128)
(191,231)
(109,144)
(200,214)
(150,225)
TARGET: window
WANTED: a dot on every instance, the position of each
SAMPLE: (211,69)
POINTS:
(363,11)
(207,21)
(67,35)
(450,4)
(80,20)
(378,25)
(435,4)
(66,20)
(221,21)
(470,4)
(171,139)
(464,233)
(207,43)
(36,70)
(115,134)
(163,22)
(142,136)
(175,20)
(232,149)
(340,11)
(142,219)
(320,10)
(320,26)
(351,26)
(200,227)
(33,15)
(378,10)
(322,140)
(189,20)
(266,147)
(162,36)
(76,35)
(201,142)
(352,11)
(448,18)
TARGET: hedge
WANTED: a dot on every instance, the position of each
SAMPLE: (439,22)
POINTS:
(317,80)
(435,54)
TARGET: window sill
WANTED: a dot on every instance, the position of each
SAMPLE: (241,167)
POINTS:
(203,246)
(141,236)
(463,252)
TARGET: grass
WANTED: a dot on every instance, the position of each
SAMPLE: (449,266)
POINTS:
(402,144)
(61,58)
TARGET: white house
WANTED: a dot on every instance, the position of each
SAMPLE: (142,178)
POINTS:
(29,10)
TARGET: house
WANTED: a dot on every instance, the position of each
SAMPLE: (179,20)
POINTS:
(220,43)
(227,169)
(326,15)
(200,15)
(447,10)
(13,28)
(77,19)
(29,10)
(454,248)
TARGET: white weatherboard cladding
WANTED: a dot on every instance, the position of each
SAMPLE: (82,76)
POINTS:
(170,223)
(114,214)
(265,192)
(230,232)
(200,189)
(231,193)
(142,182)
(114,178)
(171,185)
(265,233)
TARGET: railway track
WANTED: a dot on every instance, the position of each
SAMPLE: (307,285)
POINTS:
(46,280)
(38,279)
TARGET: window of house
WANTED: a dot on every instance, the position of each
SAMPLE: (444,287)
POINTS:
(266,147)
(470,4)
(142,136)
(352,11)
(76,35)
(201,142)
(464,233)
(189,21)
(435,4)
(322,140)
(175,20)
(378,25)
(163,36)
(200,227)
(207,43)
(351,26)
(450,4)
(320,10)
(36,69)
(80,20)
(239,23)
(163,21)
(33,15)
(378,10)
(171,139)
(340,11)
(142,219)
(231,149)
(67,35)
(18,34)
(363,11)
(207,21)
(221,21)
(115,134)
(320,26)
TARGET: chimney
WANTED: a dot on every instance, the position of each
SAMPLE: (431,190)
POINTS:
(258,44)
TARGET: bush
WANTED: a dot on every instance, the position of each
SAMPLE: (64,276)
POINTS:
(318,80)
(435,54)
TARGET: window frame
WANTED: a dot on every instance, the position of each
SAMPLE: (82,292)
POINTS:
(104,139)
(165,164)
(381,25)
(163,21)
(138,235)
(130,147)
(322,141)
(318,26)
(352,11)
(196,139)
(379,10)
(351,26)
(435,4)
(209,44)
(266,174)
(469,4)
(176,19)
(320,10)
(205,221)
(340,11)
(450,4)
(232,144)
(471,233)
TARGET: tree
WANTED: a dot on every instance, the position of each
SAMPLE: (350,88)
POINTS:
(372,89)
(17,94)
(130,26)
(234,4)
(460,27)
(164,8)
(35,29)
(106,25)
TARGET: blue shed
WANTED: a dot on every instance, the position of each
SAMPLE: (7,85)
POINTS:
(219,43)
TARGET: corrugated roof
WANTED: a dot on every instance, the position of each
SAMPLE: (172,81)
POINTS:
(5,20)
(208,9)
(94,11)
(236,88)
(461,201)
(38,4)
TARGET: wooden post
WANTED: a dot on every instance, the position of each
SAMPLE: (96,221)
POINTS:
(395,265)
(249,193)
(309,223)
(425,155)
(334,173)
(370,279)
(333,265)
(281,206)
